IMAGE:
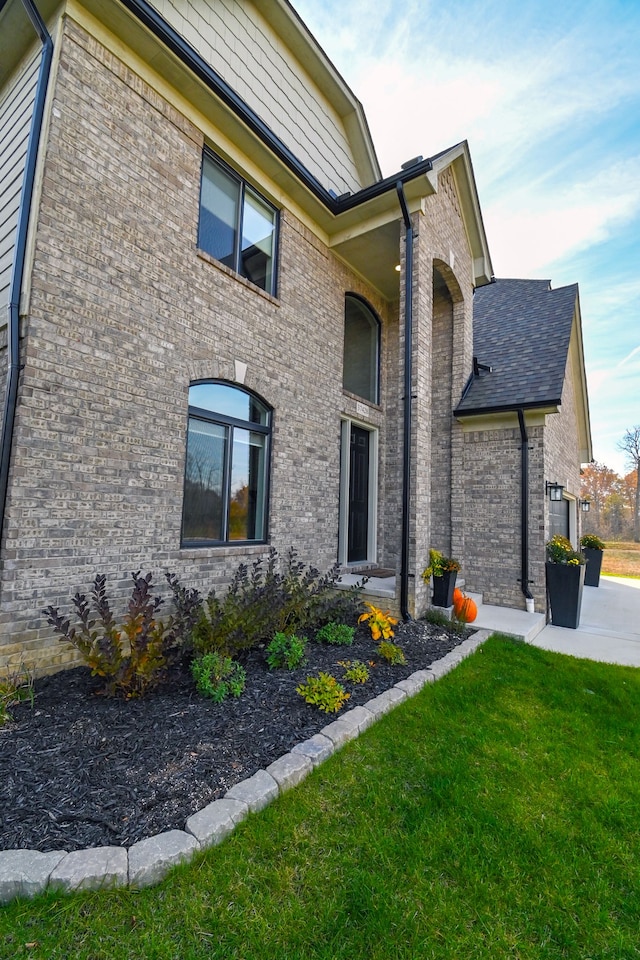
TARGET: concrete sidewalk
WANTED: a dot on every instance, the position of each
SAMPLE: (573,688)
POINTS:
(609,628)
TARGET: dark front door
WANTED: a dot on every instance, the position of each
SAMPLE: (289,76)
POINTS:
(559,518)
(358,495)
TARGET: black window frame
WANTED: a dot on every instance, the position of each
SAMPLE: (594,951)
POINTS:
(242,184)
(230,422)
(378,345)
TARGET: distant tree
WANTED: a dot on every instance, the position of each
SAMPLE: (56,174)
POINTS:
(613,515)
(598,483)
(630,446)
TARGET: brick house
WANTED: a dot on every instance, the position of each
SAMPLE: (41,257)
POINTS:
(209,346)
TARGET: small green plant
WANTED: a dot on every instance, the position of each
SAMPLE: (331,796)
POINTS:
(218,677)
(591,542)
(392,653)
(130,658)
(440,619)
(324,692)
(15,687)
(355,671)
(380,623)
(286,650)
(338,634)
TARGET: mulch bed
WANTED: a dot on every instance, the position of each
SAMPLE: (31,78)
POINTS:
(80,770)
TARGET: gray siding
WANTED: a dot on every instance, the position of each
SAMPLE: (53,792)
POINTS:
(15,121)
(246,51)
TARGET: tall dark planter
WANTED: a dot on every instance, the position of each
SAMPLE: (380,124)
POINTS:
(443,588)
(594,566)
(564,590)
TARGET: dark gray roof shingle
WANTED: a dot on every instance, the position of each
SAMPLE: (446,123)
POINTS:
(521,330)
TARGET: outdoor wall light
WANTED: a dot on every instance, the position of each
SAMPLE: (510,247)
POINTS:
(585,505)
(554,490)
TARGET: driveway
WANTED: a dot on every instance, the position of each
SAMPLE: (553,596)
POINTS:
(609,627)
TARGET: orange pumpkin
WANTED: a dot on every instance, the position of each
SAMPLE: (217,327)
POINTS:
(458,599)
(468,610)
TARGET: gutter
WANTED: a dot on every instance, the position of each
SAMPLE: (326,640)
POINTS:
(406,444)
(13,372)
(524,506)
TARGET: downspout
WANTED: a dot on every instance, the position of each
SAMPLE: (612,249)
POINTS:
(524,507)
(406,449)
(13,372)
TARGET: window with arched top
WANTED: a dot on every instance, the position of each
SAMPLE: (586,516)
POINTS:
(361,358)
(227,466)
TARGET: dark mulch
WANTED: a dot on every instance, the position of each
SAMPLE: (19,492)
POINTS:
(80,770)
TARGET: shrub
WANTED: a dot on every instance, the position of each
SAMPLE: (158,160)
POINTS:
(591,542)
(355,671)
(266,600)
(324,692)
(381,624)
(286,650)
(392,653)
(187,605)
(560,550)
(338,634)
(15,687)
(439,565)
(218,677)
(130,658)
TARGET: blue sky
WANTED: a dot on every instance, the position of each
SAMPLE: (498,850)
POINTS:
(548,96)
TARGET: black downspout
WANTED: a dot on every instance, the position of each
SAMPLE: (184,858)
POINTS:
(524,507)
(406,449)
(13,372)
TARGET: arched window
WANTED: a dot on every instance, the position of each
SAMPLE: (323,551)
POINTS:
(360,371)
(226,473)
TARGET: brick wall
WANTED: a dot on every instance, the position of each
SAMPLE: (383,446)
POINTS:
(443,338)
(492,515)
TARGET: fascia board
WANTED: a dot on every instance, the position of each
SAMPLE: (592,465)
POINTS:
(503,419)
(459,159)
(576,355)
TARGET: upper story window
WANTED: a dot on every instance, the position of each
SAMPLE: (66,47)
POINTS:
(226,473)
(237,226)
(361,367)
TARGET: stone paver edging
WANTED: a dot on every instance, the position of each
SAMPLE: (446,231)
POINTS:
(25,873)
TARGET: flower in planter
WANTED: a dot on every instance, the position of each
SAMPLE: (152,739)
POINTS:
(560,550)
(439,565)
(589,541)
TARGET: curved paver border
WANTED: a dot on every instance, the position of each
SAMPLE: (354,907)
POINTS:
(26,873)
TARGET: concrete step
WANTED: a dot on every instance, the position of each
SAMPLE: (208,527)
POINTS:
(514,623)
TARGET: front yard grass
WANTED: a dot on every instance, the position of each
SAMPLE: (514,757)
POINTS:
(495,815)
(621,559)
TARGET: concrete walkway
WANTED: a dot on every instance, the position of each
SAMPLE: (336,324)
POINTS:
(609,628)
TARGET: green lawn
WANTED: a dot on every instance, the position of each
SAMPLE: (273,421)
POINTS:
(495,815)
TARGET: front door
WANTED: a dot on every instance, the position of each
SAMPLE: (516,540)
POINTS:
(358,519)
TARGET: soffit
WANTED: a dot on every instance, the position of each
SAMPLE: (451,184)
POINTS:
(17,35)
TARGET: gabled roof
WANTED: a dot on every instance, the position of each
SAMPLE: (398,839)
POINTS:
(522,330)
